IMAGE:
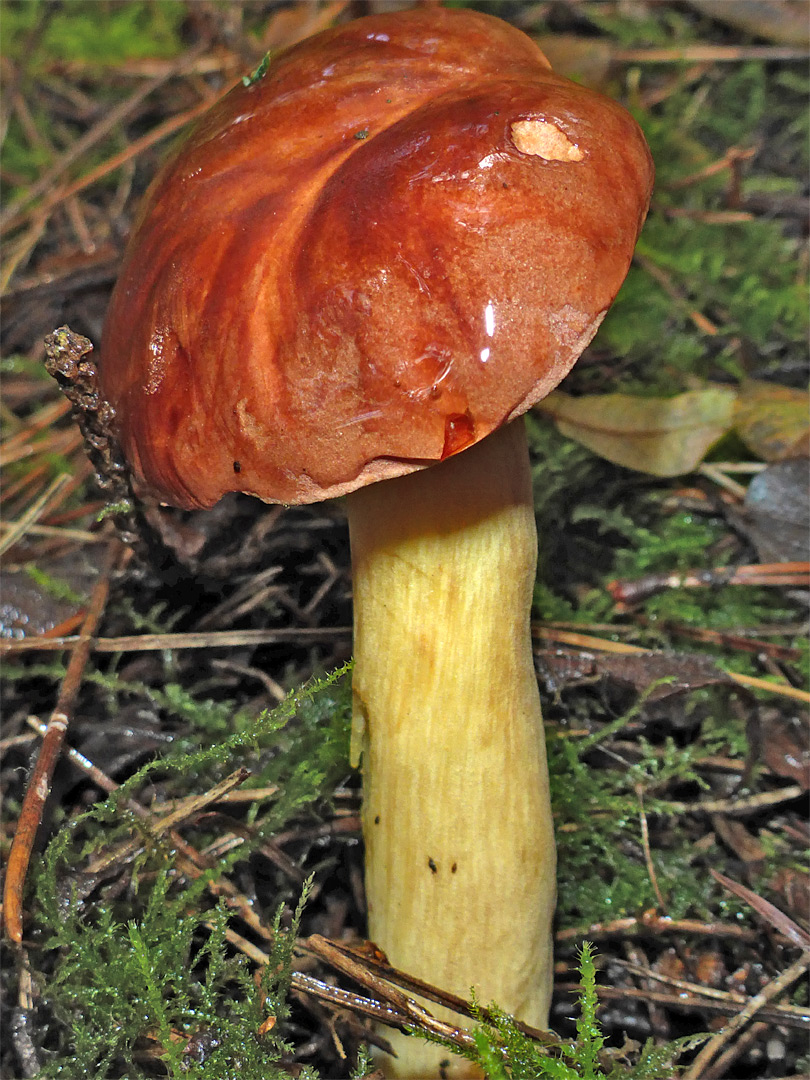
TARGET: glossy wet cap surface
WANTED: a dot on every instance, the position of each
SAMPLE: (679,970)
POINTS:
(399,238)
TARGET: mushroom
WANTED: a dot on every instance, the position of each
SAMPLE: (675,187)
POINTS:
(365,265)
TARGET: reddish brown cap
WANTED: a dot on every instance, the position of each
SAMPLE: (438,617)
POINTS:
(400,237)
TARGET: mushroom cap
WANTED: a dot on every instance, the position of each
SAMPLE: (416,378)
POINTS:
(397,239)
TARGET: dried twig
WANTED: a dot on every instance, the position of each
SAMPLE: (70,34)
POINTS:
(79,536)
(730,160)
(210,639)
(133,150)
(371,969)
(39,783)
(708,54)
(698,990)
(167,824)
(15,212)
(680,1001)
(784,573)
(651,924)
(645,844)
(751,805)
(17,529)
(755,1005)
(703,324)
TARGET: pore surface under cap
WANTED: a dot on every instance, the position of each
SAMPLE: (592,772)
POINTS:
(399,238)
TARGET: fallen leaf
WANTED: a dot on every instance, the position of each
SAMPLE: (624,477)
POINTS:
(586,59)
(740,841)
(33,604)
(766,911)
(794,886)
(773,420)
(782,21)
(292,24)
(675,673)
(775,516)
(786,750)
(659,436)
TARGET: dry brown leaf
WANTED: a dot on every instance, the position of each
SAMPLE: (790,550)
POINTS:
(35,605)
(773,420)
(659,436)
(674,673)
(775,516)
(290,25)
(740,841)
(586,59)
(786,749)
(783,21)
(767,911)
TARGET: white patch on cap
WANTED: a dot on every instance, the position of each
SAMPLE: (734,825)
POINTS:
(541,138)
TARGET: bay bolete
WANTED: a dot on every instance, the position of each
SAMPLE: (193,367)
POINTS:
(353,278)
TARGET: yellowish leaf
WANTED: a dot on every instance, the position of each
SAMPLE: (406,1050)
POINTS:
(586,59)
(660,436)
(773,420)
(783,21)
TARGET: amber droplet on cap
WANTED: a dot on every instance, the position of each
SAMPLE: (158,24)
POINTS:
(459,433)
(396,239)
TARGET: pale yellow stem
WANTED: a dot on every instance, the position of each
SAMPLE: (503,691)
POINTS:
(459,845)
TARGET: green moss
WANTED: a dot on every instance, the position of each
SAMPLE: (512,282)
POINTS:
(134,969)
(146,965)
(23,162)
(104,33)
(747,277)
(161,984)
(644,28)
(506,1054)
(53,586)
(601,871)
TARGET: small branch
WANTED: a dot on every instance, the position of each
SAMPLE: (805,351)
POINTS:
(705,325)
(730,160)
(708,54)
(156,135)
(719,477)
(371,969)
(193,640)
(785,573)
(645,844)
(775,987)
(24,1044)
(753,804)
(17,529)
(775,1015)
(39,784)
(734,640)
(696,989)
(405,1014)
(168,823)
(45,417)
(190,861)
(653,925)
(15,212)
(79,536)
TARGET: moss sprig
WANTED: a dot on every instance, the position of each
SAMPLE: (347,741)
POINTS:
(505,1053)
